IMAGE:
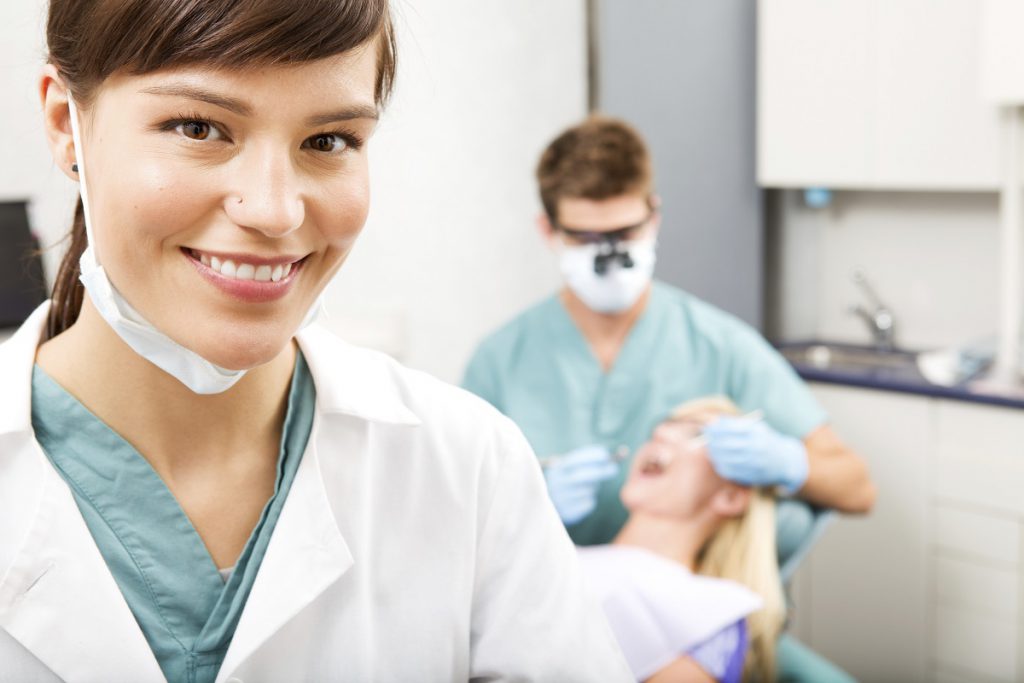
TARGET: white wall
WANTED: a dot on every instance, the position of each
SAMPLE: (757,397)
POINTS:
(450,250)
(26,169)
(933,258)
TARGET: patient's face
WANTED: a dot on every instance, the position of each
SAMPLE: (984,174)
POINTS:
(671,475)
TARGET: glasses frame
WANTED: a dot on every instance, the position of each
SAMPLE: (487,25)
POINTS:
(625,233)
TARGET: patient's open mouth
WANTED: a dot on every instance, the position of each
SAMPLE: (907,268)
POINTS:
(654,464)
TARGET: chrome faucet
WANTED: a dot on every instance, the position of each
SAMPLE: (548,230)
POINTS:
(878,317)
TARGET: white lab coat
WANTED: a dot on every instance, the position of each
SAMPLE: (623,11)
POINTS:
(417,544)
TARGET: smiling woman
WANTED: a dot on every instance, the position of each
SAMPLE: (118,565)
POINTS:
(159,36)
(195,480)
(186,164)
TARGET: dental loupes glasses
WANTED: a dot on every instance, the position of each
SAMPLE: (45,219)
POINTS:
(608,253)
(609,243)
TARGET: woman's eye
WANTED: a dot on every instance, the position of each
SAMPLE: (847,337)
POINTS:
(327,142)
(198,130)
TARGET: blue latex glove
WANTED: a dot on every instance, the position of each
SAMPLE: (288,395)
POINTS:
(573,480)
(751,453)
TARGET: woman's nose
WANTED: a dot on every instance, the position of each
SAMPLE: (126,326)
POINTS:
(667,432)
(267,196)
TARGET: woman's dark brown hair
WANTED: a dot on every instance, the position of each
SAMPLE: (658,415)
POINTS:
(89,40)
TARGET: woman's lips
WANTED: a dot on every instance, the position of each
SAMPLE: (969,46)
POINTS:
(245,277)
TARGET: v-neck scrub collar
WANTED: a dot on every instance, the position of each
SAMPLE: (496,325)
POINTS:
(184,606)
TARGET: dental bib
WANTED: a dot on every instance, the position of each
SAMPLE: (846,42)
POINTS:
(185,365)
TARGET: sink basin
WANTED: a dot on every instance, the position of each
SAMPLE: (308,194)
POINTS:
(852,360)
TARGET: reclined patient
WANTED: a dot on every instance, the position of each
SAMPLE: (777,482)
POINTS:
(690,585)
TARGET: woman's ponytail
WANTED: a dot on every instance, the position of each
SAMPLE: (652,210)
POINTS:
(67,289)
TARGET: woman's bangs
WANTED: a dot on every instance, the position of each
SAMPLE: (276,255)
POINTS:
(149,35)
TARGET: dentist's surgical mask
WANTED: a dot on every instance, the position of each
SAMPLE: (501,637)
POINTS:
(609,277)
(185,365)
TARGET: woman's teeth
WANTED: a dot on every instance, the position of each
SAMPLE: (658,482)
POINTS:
(246,271)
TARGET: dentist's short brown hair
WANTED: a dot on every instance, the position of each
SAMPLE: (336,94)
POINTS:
(599,158)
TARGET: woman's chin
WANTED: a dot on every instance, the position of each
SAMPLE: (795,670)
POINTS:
(631,498)
(241,354)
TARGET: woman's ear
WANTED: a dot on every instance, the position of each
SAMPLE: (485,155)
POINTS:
(731,501)
(57,120)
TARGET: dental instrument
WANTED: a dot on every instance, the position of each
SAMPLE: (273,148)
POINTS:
(617,456)
(701,441)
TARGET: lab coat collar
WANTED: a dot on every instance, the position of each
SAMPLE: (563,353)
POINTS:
(17,356)
(306,555)
(58,582)
(348,380)
(58,598)
(353,381)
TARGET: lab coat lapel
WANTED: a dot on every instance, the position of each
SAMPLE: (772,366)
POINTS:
(57,596)
(306,555)
(59,600)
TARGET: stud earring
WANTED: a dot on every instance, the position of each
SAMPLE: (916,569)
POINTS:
(74,168)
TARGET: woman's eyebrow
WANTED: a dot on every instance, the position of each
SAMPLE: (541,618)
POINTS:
(243,108)
(357,111)
(193,92)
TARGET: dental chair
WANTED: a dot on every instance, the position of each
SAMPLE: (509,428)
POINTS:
(798,526)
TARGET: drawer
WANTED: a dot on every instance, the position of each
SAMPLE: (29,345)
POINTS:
(979,535)
(990,482)
(976,588)
(966,640)
(979,455)
(989,431)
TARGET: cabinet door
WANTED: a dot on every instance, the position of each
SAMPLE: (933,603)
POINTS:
(932,127)
(814,92)
(866,579)
(977,538)
(874,94)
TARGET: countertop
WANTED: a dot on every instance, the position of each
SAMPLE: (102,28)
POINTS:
(901,380)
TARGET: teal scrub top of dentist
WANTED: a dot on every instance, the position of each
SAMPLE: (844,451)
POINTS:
(183,605)
(539,371)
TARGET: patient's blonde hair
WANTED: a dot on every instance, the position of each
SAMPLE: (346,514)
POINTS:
(743,550)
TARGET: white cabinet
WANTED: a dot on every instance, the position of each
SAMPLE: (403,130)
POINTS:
(874,94)
(930,586)
(977,569)
(868,602)
(813,80)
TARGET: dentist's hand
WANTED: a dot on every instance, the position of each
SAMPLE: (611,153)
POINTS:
(573,480)
(751,453)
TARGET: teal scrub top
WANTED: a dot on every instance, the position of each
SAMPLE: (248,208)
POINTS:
(183,605)
(539,371)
